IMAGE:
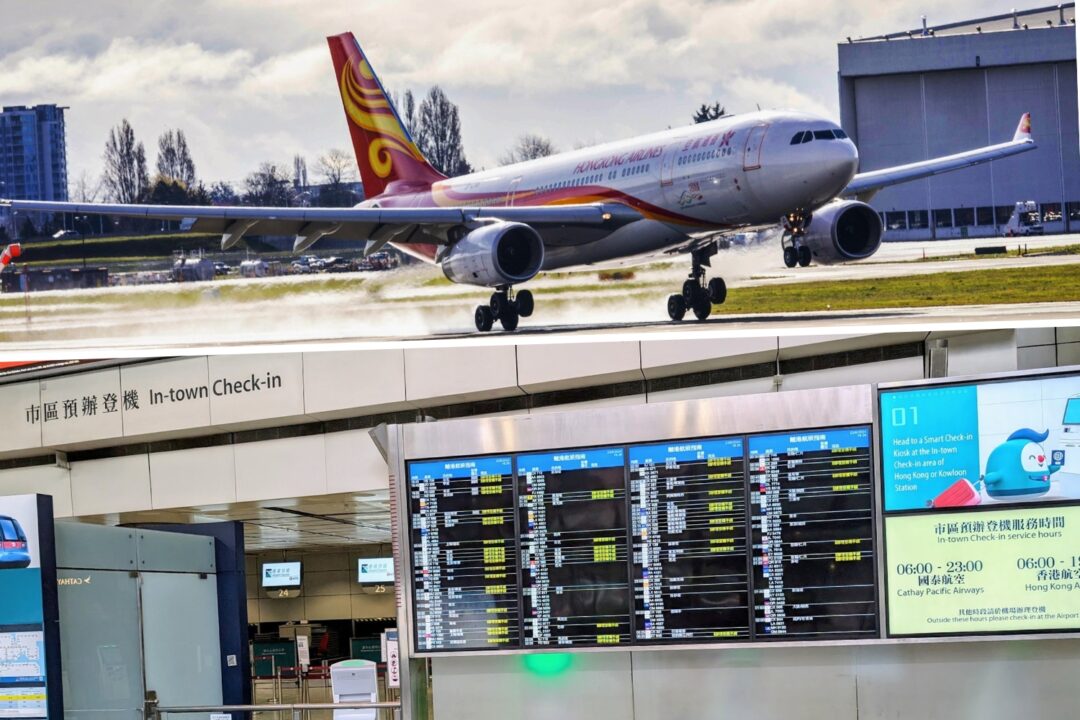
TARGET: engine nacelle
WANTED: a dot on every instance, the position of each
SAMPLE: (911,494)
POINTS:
(844,231)
(502,253)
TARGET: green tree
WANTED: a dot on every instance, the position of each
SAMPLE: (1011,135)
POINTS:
(709,112)
(268,186)
(222,193)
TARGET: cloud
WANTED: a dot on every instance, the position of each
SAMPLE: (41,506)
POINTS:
(250,80)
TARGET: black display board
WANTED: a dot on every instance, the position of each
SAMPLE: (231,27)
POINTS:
(464,560)
(572,516)
(731,539)
(812,529)
(688,510)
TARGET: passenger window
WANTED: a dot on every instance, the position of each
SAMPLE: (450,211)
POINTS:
(7,530)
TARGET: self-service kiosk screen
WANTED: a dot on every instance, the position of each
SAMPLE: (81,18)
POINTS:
(812,534)
(688,530)
(981,444)
(981,488)
(572,516)
(464,562)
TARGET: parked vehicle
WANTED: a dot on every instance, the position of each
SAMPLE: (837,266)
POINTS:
(14,550)
(1025,220)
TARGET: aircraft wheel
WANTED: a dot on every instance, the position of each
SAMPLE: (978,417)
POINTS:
(717,291)
(524,303)
(702,308)
(676,307)
(689,291)
(804,256)
(499,303)
(791,257)
(509,318)
(484,318)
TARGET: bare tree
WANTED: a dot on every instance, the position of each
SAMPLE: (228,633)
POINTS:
(86,189)
(337,166)
(409,113)
(174,158)
(125,178)
(300,176)
(528,147)
(439,134)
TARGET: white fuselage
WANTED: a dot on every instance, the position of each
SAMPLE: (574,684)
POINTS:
(737,171)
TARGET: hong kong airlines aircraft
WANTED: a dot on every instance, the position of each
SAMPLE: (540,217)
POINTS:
(677,191)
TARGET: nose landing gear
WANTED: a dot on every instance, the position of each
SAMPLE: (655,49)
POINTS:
(795,252)
(697,295)
(505,307)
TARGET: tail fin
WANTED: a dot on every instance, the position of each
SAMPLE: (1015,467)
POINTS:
(388,158)
(1023,130)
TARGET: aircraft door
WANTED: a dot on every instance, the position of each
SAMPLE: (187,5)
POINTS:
(667,164)
(512,191)
(754,141)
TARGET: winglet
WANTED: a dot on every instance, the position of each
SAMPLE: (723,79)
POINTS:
(1023,130)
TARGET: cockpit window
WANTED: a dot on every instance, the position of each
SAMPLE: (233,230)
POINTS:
(840,134)
(823,135)
(797,139)
(807,136)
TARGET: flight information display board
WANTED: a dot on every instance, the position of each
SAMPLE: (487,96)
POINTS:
(812,534)
(688,528)
(465,573)
(711,540)
(574,559)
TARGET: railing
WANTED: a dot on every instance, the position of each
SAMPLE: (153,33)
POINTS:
(155,712)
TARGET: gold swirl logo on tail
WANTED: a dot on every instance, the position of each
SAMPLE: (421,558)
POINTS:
(369,109)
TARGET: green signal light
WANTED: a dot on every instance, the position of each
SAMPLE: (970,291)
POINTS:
(548,664)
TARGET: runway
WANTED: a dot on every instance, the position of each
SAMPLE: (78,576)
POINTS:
(417,303)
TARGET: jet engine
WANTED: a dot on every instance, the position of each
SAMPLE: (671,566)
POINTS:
(843,231)
(501,253)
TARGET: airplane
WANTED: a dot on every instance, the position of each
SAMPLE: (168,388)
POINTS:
(673,192)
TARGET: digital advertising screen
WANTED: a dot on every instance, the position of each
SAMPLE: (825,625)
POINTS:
(29,630)
(464,553)
(812,534)
(981,491)
(281,575)
(688,528)
(981,444)
(992,571)
(378,571)
(572,515)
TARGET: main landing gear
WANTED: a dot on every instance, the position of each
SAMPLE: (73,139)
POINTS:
(505,308)
(795,252)
(697,295)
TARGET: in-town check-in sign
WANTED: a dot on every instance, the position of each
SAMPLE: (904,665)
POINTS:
(151,398)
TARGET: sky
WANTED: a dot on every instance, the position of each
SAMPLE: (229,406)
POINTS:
(251,80)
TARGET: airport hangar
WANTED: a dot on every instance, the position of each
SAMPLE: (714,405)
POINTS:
(936,90)
(279,444)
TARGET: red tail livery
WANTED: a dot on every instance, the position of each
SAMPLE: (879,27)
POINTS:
(389,160)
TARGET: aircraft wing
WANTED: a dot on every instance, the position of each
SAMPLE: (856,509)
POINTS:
(400,225)
(864,185)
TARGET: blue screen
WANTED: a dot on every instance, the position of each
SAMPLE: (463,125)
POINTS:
(1072,412)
